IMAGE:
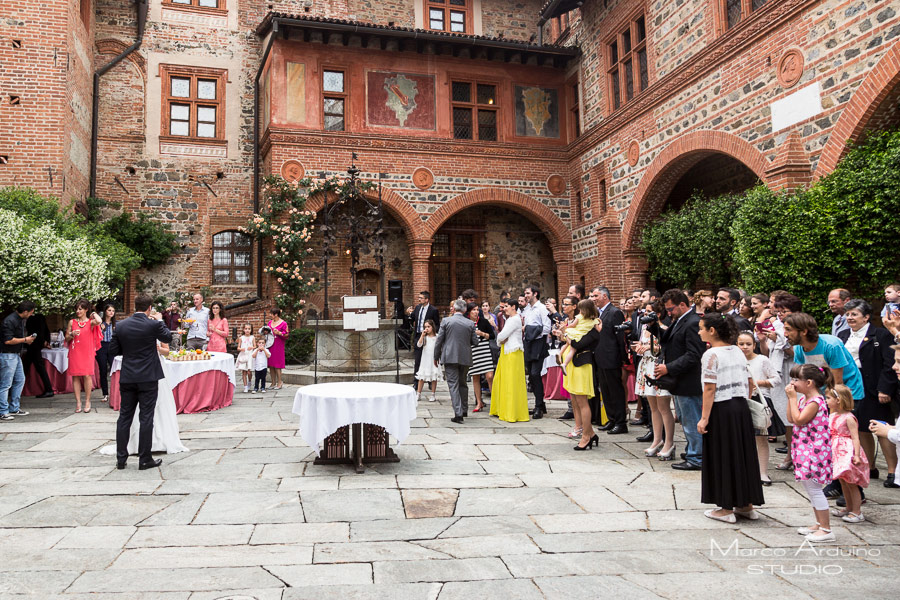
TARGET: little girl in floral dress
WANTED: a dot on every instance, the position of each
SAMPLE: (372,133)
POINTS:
(851,467)
(811,442)
(244,362)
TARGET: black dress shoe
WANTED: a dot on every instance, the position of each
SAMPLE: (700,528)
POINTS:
(647,437)
(686,466)
(120,465)
(457,419)
(567,416)
(619,428)
(889,481)
(781,450)
(150,465)
(873,473)
(537,414)
(684,456)
(609,425)
(45,395)
(466,414)
(637,422)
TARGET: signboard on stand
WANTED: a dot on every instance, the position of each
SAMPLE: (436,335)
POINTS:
(360,313)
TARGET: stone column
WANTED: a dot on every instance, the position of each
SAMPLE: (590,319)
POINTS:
(565,272)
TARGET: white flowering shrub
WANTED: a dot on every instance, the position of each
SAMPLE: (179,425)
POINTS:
(39,265)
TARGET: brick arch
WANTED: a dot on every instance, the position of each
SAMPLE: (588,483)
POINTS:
(116,47)
(552,226)
(394,203)
(876,86)
(672,163)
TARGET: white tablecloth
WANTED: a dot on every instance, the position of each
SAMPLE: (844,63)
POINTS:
(325,407)
(178,371)
(58,357)
(550,361)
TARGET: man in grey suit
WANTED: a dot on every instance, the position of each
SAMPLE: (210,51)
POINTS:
(453,347)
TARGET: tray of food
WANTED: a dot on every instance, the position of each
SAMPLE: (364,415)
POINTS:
(184,355)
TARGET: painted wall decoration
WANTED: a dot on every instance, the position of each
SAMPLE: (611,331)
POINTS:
(296,92)
(400,100)
(537,112)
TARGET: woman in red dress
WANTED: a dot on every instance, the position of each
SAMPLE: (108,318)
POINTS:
(83,338)
(218,328)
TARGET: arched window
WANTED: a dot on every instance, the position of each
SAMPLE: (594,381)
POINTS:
(232,251)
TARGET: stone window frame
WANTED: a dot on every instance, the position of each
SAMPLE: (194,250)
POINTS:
(233,248)
(447,7)
(627,34)
(345,95)
(167,72)
(474,107)
(720,10)
(193,6)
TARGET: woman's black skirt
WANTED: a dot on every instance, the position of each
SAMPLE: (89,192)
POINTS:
(730,475)
(869,409)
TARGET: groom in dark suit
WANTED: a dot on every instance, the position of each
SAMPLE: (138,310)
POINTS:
(135,340)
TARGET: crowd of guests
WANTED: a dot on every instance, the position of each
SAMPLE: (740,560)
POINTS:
(740,371)
(87,335)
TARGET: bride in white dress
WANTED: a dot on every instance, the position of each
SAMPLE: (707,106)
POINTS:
(165,422)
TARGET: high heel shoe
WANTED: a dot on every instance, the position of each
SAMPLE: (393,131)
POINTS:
(667,455)
(590,444)
(575,433)
(654,450)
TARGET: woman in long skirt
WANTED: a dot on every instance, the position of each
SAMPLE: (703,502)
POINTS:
(730,471)
(509,397)
(482,360)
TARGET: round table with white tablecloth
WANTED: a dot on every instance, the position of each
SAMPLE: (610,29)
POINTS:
(56,361)
(326,411)
(198,385)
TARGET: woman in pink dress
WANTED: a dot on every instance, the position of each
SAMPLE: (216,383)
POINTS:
(279,329)
(218,328)
(83,338)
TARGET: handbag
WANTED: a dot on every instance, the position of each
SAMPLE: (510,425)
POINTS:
(759,413)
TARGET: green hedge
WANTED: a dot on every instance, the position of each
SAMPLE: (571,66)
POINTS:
(299,346)
(840,232)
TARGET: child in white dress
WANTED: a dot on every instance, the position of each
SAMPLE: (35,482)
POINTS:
(428,371)
(244,362)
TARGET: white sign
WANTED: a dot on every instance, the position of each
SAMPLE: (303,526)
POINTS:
(360,313)
(803,104)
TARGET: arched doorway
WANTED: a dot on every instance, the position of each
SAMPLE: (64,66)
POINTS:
(489,249)
(714,175)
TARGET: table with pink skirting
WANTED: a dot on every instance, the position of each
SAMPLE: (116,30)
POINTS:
(56,361)
(552,375)
(198,385)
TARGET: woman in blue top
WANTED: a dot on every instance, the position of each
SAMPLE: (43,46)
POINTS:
(104,361)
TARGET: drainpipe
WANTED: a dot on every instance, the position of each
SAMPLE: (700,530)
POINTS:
(259,72)
(141,6)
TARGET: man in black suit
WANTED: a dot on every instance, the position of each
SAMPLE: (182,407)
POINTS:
(681,350)
(135,339)
(421,313)
(728,302)
(608,359)
(37,324)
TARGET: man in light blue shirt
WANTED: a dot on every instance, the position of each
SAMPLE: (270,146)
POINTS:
(198,334)
(822,350)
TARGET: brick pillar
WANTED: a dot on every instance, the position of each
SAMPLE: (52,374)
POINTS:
(609,254)
(636,268)
(791,168)
(565,272)
(420,254)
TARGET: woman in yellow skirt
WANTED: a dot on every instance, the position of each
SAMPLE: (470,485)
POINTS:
(579,378)
(509,396)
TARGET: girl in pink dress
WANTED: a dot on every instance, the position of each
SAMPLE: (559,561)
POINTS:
(811,443)
(218,328)
(83,338)
(280,332)
(851,467)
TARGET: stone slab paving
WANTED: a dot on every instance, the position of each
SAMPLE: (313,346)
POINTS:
(481,510)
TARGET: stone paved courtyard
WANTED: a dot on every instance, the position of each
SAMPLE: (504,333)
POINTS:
(482,510)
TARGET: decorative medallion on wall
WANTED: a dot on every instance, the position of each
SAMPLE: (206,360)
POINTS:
(790,68)
(556,184)
(634,152)
(292,171)
(423,178)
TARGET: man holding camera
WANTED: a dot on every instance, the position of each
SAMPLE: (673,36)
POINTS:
(12,374)
(680,371)
(608,359)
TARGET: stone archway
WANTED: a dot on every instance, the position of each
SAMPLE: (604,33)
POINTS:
(670,165)
(557,233)
(880,85)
